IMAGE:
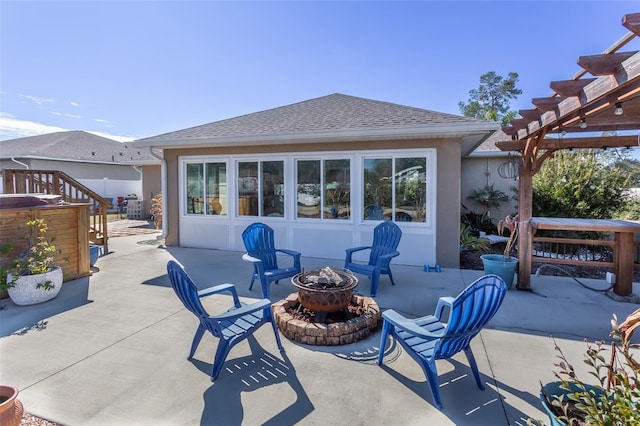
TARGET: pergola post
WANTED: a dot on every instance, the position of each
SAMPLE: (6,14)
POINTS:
(525,195)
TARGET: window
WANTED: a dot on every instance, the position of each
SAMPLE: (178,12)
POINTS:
(395,188)
(195,189)
(323,189)
(206,191)
(308,193)
(337,189)
(261,188)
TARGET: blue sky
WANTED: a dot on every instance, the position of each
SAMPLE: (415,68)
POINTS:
(136,69)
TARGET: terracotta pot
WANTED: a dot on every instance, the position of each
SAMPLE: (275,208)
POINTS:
(25,291)
(11,409)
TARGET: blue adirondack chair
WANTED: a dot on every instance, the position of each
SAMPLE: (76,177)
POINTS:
(231,327)
(261,251)
(427,339)
(373,212)
(386,237)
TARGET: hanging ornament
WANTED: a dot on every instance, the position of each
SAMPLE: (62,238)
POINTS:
(510,169)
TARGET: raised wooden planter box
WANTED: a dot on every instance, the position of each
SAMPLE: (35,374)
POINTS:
(68,224)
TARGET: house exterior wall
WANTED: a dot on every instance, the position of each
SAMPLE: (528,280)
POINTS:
(151,181)
(477,172)
(419,241)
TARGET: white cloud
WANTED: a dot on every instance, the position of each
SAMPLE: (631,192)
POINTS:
(115,138)
(37,100)
(60,114)
(99,120)
(75,104)
(13,128)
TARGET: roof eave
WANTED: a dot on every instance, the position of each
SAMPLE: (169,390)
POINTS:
(75,160)
(351,135)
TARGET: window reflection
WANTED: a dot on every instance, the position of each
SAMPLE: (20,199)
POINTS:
(308,189)
(248,189)
(377,188)
(272,188)
(395,188)
(216,178)
(337,190)
(195,189)
(410,189)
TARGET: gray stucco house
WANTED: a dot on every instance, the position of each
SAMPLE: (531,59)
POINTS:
(323,173)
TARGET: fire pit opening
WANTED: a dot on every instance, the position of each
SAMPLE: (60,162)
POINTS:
(325,311)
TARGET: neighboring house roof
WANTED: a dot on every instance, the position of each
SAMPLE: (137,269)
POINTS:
(489,148)
(335,117)
(74,146)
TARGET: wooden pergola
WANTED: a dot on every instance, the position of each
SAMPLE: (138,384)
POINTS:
(603,97)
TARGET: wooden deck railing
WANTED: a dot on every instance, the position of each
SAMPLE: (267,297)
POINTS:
(21,181)
(578,252)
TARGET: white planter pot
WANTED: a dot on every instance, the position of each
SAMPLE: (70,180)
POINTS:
(25,291)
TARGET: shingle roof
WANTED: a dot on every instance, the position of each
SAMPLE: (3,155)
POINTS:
(489,145)
(73,145)
(336,112)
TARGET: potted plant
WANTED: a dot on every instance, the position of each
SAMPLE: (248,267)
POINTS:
(11,408)
(489,197)
(504,265)
(34,278)
(613,399)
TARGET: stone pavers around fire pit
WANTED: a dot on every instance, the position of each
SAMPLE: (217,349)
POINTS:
(337,333)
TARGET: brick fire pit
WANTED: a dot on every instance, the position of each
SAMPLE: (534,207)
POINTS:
(336,333)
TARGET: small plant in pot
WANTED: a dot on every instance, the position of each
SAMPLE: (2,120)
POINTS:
(613,399)
(504,265)
(5,263)
(33,277)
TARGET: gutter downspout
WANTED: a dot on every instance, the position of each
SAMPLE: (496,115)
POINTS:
(26,166)
(163,188)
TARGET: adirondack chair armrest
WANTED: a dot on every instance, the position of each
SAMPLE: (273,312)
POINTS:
(248,258)
(294,254)
(219,289)
(233,314)
(443,302)
(383,258)
(289,252)
(408,325)
(350,251)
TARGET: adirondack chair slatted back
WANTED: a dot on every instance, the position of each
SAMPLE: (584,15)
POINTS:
(386,238)
(259,242)
(187,292)
(470,312)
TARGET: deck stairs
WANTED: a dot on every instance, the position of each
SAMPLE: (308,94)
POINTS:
(23,181)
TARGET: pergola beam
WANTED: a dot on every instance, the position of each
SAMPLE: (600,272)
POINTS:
(594,142)
(626,74)
(605,64)
(570,88)
(632,23)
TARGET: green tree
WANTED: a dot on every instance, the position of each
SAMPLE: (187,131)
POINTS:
(580,184)
(491,100)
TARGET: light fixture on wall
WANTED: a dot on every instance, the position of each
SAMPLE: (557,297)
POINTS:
(583,124)
(618,110)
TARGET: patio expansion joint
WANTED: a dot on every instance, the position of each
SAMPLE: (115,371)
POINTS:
(501,397)
(103,349)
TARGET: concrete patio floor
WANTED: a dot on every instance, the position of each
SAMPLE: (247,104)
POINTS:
(111,349)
